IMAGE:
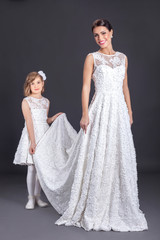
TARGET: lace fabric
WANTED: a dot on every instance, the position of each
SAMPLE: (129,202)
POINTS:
(91,179)
(36,103)
(110,60)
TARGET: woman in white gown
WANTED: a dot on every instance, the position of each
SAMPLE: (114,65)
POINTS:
(90,178)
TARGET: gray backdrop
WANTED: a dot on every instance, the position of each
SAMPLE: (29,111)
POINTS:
(55,36)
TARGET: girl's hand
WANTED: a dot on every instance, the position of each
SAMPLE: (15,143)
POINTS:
(32,148)
(84,122)
(56,115)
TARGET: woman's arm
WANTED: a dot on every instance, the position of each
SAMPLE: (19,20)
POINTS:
(28,118)
(126,92)
(51,119)
(87,74)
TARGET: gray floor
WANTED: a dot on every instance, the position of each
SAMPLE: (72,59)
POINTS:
(38,224)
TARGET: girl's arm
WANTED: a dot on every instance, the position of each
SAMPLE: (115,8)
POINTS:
(51,119)
(87,74)
(48,119)
(28,118)
(126,92)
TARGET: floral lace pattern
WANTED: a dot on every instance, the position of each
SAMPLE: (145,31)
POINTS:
(36,103)
(109,60)
(91,179)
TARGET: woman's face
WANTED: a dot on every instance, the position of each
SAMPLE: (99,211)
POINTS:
(37,85)
(102,36)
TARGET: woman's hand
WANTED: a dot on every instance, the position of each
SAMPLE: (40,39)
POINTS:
(32,148)
(84,122)
(131,118)
(56,115)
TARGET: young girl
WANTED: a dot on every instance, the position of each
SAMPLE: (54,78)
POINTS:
(35,110)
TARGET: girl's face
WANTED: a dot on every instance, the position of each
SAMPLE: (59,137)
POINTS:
(37,85)
(102,36)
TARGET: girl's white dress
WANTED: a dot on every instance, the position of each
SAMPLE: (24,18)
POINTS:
(91,179)
(38,109)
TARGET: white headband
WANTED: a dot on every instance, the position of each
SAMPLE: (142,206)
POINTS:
(42,74)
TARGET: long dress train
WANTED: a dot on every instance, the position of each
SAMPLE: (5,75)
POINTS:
(91,179)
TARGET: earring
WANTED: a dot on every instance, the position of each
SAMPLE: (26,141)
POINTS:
(111,36)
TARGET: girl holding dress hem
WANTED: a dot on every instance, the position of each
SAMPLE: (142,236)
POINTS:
(35,110)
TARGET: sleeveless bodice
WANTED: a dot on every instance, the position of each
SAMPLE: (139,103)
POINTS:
(109,72)
(38,109)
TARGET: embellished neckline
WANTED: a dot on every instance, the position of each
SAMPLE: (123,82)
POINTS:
(36,98)
(108,54)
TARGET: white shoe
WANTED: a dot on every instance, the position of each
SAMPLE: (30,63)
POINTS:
(40,203)
(31,202)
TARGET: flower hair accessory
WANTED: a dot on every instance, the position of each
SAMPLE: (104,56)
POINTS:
(42,74)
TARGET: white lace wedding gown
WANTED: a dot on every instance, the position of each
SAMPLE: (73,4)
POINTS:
(91,179)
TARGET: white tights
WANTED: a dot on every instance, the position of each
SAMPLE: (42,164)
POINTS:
(33,185)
